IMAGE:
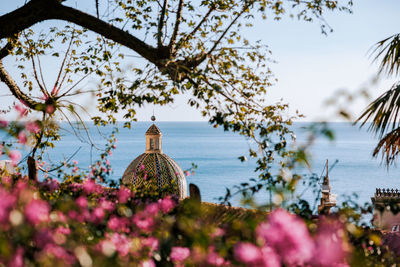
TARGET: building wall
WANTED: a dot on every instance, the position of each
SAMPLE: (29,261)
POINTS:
(385,220)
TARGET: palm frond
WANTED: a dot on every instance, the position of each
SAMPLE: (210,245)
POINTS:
(383,112)
(389,147)
(389,50)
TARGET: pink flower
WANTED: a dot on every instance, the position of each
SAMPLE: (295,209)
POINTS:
(7,180)
(114,223)
(150,242)
(37,211)
(122,243)
(247,253)
(81,202)
(329,244)
(32,127)
(217,232)
(75,186)
(3,123)
(18,258)
(86,216)
(98,214)
(269,257)
(73,214)
(143,222)
(151,209)
(99,189)
(141,167)
(107,205)
(118,224)
(50,109)
(15,156)
(60,253)
(75,162)
(187,173)
(215,259)
(7,202)
(22,137)
(89,186)
(288,236)
(179,254)
(166,204)
(61,217)
(123,195)
(63,230)
(21,110)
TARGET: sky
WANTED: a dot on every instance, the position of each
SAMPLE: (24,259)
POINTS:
(310,67)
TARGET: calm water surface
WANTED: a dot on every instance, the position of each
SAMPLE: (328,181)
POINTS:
(216,153)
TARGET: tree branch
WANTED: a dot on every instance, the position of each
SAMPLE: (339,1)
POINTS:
(62,65)
(40,10)
(161,24)
(190,35)
(15,90)
(97,8)
(227,29)
(197,60)
(22,18)
(177,23)
(5,51)
(8,80)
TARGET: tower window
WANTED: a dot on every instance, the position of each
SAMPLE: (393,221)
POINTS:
(157,144)
(151,143)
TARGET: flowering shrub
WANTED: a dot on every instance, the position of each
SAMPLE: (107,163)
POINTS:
(87,224)
(83,219)
(72,225)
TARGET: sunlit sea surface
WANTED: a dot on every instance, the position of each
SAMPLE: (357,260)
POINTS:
(216,153)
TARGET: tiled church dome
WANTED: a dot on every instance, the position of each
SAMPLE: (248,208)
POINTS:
(155,165)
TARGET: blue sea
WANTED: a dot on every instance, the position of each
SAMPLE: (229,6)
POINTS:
(216,153)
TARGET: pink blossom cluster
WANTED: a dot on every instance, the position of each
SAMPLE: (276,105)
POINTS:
(285,239)
(24,130)
(130,230)
(127,235)
(181,256)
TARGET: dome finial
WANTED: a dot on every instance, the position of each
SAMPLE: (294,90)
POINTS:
(153,118)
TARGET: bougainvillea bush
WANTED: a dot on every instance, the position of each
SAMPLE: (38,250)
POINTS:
(78,218)
(88,224)
(50,223)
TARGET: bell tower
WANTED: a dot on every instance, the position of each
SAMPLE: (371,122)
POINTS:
(153,139)
(328,200)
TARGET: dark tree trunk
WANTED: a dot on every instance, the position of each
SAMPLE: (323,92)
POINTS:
(32,169)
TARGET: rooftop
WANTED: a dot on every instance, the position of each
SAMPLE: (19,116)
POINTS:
(153,130)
